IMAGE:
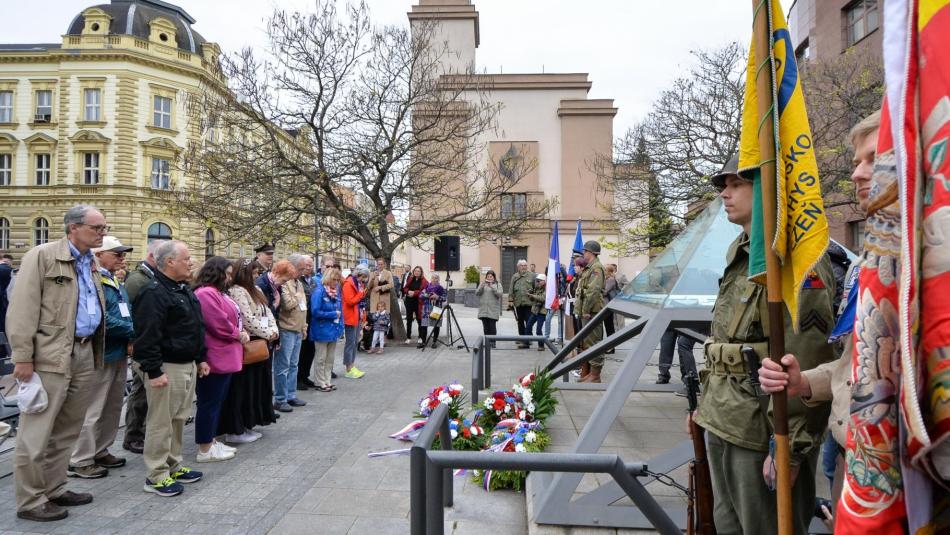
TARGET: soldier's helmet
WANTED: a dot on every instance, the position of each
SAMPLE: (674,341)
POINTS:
(592,246)
(731,168)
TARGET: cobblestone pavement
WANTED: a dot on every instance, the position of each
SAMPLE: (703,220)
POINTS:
(310,472)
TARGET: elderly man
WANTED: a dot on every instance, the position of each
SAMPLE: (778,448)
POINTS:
(265,255)
(136,407)
(169,354)
(519,292)
(57,332)
(91,458)
(304,265)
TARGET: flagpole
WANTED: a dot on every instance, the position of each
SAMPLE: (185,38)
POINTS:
(773,269)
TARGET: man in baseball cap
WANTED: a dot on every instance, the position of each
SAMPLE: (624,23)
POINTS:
(91,458)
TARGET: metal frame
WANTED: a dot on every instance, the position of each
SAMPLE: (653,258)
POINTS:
(555,492)
(431,485)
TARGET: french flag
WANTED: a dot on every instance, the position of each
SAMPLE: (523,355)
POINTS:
(554,267)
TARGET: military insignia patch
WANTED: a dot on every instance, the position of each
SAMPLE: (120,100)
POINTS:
(813,319)
(813,282)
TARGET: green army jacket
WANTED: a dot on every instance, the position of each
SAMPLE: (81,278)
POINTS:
(521,285)
(729,406)
(590,289)
(537,296)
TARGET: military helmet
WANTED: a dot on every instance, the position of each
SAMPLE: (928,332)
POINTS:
(731,168)
(592,246)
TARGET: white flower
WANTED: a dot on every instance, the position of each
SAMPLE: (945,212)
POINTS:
(530,437)
(489,403)
(526,396)
(475,430)
(519,447)
(457,387)
(530,407)
(454,434)
(507,407)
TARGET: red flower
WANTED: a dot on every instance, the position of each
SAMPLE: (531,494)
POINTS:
(499,404)
(466,433)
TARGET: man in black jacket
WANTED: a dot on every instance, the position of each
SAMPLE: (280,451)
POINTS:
(169,355)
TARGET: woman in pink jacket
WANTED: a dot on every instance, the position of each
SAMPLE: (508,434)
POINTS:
(224,339)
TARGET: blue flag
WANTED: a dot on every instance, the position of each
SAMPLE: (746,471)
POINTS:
(578,247)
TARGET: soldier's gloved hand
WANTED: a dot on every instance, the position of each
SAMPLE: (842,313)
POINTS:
(773,379)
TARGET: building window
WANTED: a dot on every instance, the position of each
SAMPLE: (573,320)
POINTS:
(40,231)
(514,205)
(803,52)
(90,168)
(6,106)
(44,106)
(6,169)
(861,18)
(42,169)
(159,231)
(160,174)
(4,233)
(163,112)
(857,235)
(209,244)
(92,100)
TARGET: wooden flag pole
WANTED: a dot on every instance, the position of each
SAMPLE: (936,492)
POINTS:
(773,269)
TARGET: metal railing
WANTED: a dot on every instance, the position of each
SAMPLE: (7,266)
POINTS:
(431,486)
(481,357)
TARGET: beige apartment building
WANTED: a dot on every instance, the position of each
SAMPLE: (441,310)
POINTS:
(546,118)
(100,118)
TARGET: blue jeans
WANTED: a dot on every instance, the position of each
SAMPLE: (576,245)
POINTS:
(210,391)
(351,337)
(829,458)
(285,366)
(536,321)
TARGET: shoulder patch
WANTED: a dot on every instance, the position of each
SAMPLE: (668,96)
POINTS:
(813,282)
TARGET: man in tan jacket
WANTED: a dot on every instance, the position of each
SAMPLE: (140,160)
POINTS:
(57,332)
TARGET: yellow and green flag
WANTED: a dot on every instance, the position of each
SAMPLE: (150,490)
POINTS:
(801,235)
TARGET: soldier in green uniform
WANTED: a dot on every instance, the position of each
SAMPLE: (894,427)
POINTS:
(521,284)
(590,300)
(736,419)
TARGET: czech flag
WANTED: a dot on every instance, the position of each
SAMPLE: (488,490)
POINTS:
(554,268)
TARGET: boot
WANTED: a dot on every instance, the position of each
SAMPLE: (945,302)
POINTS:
(593,376)
(585,371)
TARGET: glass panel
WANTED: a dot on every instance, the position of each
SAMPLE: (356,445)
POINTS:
(44,102)
(92,104)
(6,169)
(4,233)
(687,272)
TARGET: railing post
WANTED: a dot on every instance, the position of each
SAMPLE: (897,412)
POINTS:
(417,490)
(435,516)
(486,375)
(448,490)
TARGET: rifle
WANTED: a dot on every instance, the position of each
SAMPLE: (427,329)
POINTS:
(699,514)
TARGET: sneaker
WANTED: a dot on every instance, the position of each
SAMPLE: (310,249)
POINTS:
(214,454)
(243,438)
(354,373)
(661,380)
(255,433)
(168,487)
(575,373)
(296,402)
(186,475)
(110,461)
(224,447)
(93,471)
(408,341)
(283,407)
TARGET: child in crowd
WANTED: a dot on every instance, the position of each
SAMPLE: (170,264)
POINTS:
(381,324)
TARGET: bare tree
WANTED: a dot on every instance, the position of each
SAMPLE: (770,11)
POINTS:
(839,92)
(661,167)
(344,130)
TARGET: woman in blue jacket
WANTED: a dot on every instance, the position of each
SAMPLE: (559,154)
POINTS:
(326,326)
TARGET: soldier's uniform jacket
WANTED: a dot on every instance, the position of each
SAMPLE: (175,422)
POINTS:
(521,285)
(590,289)
(538,295)
(729,406)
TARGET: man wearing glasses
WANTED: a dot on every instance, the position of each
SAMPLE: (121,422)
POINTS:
(91,458)
(57,331)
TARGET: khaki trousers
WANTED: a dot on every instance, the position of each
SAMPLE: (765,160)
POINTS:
(594,337)
(323,355)
(45,440)
(168,409)
(742,503)
(102,416)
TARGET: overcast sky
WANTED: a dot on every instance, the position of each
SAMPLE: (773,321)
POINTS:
(631,48)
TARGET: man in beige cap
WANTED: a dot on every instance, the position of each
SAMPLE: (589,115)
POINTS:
(91,458)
